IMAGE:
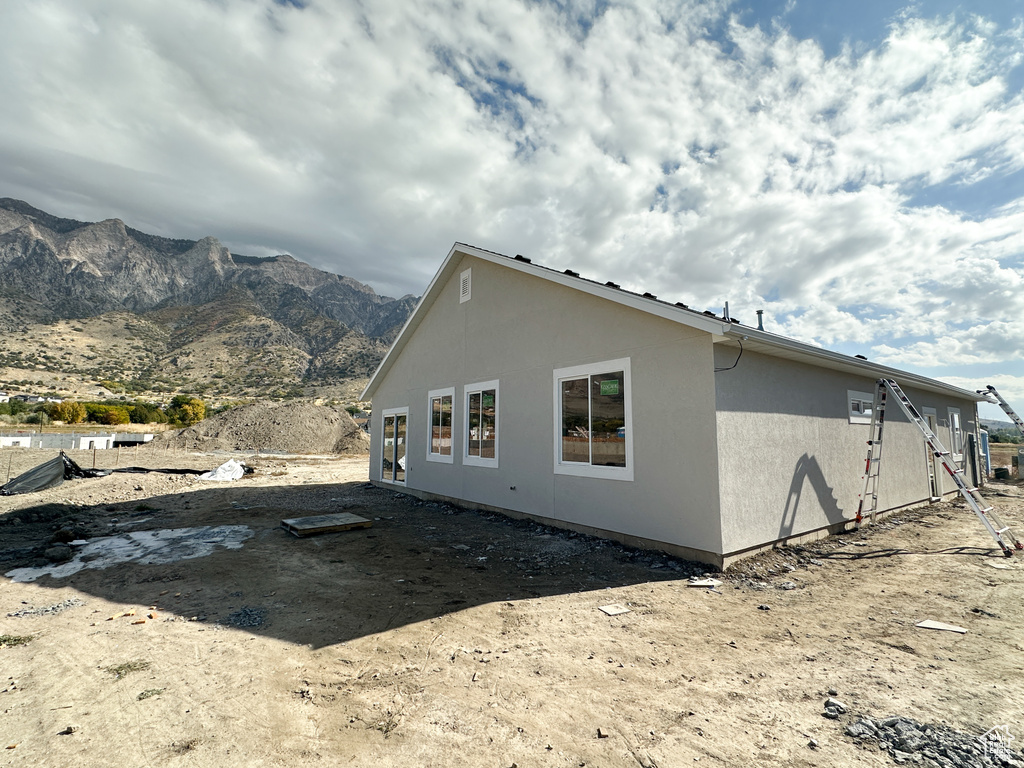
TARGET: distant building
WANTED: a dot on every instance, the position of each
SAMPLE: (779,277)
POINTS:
(4,397)
(64,441)
(128,439)
(88,442)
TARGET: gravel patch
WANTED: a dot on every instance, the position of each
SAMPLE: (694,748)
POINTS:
(247,617)
(937,746)
(48,610)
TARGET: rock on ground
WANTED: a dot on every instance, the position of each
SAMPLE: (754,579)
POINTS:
(907,740)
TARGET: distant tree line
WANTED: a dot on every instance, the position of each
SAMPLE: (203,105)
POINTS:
(1005,436)
(182,411)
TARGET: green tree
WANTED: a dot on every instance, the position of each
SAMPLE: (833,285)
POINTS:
(68,412)
(14,407)
(144,413)
(107,414)
(187,410)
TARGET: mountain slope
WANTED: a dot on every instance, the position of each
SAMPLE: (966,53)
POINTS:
(104,302)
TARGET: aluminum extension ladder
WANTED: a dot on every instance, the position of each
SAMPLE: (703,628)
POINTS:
(993,396)
(1000,533)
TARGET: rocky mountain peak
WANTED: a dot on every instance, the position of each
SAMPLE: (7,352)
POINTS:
(90,268)
(152,311)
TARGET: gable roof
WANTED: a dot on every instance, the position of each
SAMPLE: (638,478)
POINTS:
(723,330)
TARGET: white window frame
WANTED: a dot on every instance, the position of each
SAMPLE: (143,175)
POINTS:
(404,411)
(465,285)
(589,470)
(431,396)
(469,389)
(956,434)
(855,398)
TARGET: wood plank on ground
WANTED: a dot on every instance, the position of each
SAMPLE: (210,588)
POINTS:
(309,526)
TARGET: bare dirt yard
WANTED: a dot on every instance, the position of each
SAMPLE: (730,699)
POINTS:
(190,629)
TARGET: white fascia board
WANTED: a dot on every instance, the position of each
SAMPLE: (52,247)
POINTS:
(687,317)
(411,324)
(780,346)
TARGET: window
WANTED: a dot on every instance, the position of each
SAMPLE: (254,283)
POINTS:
(956,434)
(465,286)
(482,425)
(392,445)
(860,406)
(439,444)
(593,421)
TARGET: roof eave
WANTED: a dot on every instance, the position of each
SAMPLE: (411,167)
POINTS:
(771,344)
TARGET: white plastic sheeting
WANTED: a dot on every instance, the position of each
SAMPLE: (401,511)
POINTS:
(144,547)
(226,472)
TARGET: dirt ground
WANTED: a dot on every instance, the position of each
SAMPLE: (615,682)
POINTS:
(443,637)
(295,428)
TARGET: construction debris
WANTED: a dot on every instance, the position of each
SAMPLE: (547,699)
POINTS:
(929,624)
(62,467)
(310,526)
(708,582)
(227,472)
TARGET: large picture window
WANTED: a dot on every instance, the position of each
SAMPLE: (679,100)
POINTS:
(439,445)
(593,421)
(481,424)
(392,458)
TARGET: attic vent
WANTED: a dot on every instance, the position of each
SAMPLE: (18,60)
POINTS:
(680,304)
(520,257)
(570,273)
(611,284)
(650,296)
(465,286)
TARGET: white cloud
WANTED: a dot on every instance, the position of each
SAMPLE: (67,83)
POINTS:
(666,146)
(1011,388)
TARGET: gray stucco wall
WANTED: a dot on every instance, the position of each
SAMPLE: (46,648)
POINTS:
(790,461)
(518,329)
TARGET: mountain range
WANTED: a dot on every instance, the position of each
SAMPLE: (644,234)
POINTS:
(102,306)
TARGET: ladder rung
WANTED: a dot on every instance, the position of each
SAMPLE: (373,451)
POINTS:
(971,494)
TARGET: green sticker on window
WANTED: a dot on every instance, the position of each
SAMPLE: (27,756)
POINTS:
(610,387)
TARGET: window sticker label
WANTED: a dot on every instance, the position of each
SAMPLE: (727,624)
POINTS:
(610,387)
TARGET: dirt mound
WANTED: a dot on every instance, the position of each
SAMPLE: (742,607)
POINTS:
(296,428)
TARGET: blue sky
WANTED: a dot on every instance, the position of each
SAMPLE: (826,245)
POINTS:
(854,169)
